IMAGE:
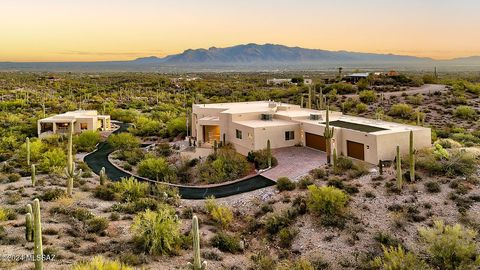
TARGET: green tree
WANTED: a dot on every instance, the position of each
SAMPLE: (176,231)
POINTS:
(123,141)
(177,126)
(156,168)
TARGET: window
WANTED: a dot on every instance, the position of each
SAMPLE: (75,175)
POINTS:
(289,135)
(83,126)
(238,134)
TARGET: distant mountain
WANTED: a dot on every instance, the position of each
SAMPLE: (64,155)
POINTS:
(271,53)
(254,57)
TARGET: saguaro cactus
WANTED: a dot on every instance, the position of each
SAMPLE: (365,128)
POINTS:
(328,135)
(399,169)
(269,154)
(215,147)
(37,232)
(29,223)
(197,261)
(27,142)
(411,156)
(301,101)
(33,175)
(321,99)
(334,158)
(103,176)
(70,171)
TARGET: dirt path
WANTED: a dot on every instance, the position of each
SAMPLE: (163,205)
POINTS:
(424,89)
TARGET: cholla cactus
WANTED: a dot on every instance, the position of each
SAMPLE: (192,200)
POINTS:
(33,175)
(37,232)
(197,263)
(399,169)
(70,170)
(27,142)
(103,176)
(328,135)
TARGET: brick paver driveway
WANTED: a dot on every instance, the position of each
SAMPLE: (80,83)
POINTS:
(294,162)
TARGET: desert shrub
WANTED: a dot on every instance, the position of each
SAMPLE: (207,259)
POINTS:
(432,187)
(157,232)
(327,201)
(396,258)
(3,214)
(318,173)
(341,88)
(401,110)
(100,263)
(220,214)
(37,147)
(226,165)
(304,182)
(260,159)
(177,126)
(52,194)
(451,247)
(123,141)
(263,261)
(132,156)
(344,163)
(441,162)
(300,264)
(361,107)
(415,99)
(284,183)
(86,141)
(226,242)
(53,159)
(163,149)
(387,240)
(155,168)
(105,192)
(286,236)
(131,189)
(145,126)
(97,225)
(274,222)
(367,96)
(465,112)
(448,143)
(13,177)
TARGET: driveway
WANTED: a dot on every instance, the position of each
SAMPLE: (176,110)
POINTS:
(294,162)
(424,89)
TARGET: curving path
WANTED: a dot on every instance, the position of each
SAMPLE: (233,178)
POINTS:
(98,159)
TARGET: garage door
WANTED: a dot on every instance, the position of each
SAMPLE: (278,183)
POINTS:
(356,150)
(315,141)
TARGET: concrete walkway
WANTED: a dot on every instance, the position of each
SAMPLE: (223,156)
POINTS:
(294,162)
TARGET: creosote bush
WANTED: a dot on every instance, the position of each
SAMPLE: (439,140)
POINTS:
(226,242)
(327,200)
(396,258)
(220,214)
(284,183)
(157,232)
(131,189)
(100,263)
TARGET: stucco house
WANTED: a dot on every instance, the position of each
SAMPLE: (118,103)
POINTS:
(248,126)
(82,120)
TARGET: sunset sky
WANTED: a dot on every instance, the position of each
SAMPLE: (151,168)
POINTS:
(87,30)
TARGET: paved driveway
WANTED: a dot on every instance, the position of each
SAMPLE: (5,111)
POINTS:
(294,162)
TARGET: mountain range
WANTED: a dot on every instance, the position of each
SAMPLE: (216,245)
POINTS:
(250,57)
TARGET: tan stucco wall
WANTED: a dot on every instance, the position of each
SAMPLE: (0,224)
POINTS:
(387,143)
(276,135)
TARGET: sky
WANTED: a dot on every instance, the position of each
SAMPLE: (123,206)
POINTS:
(99,30)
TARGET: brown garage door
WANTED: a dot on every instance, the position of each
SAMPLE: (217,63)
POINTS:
(315,141)
(356,150)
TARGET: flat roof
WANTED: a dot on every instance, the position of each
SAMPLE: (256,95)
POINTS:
(265,123)
(355,126)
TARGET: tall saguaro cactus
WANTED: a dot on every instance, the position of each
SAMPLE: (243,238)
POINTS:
(215,147)
(301,101)
(197,261)
(320,107)
(411,156)
(328,135)
(33,175)
(334,158)
(27,142)
(309,104)
(29,223)
(269,154)
(399,169)
(70,171)
(37,232)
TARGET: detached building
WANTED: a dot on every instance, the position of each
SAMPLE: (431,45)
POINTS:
(81,120)
(248,126)
(288,81)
